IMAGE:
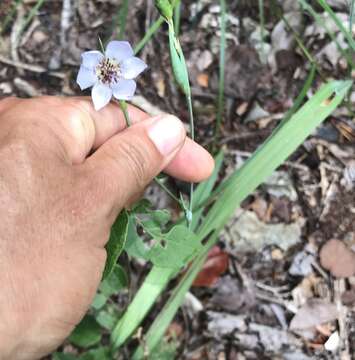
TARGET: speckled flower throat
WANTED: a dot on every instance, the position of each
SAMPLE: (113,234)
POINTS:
(108,71)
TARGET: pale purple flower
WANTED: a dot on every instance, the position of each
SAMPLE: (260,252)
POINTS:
(110,74)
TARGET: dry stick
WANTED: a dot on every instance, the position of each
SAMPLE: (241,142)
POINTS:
(33,68)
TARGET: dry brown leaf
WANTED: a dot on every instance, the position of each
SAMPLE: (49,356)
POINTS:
(336,257)
(215,265)
(203,79)
(314,313)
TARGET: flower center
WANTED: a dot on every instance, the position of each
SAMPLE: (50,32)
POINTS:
(108,71)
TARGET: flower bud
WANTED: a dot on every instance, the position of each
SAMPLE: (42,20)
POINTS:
(165,8)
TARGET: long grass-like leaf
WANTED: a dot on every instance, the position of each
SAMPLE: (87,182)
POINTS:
(158,278)
(243,182)
(347,34)
(321,22)
(276,149)
(269,156)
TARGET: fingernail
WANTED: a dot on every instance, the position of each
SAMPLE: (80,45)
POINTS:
(167,133)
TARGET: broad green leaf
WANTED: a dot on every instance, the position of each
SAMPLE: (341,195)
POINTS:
(115,282)
(240,184)
(108,318)
(102,353)
(99,301)
(135,246)
(116,242)
(87,333)
(175,249)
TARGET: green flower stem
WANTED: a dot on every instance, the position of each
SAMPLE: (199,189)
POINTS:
(192,134)
(124,109)
(166,189)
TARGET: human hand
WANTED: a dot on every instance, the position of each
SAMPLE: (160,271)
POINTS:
(66,172)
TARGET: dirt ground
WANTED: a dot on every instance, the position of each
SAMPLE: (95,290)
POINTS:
(281,294)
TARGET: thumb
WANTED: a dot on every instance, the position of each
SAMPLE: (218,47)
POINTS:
(125,164)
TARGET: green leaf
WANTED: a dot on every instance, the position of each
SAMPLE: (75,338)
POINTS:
(87,333)
(115,282)
(177,247)
(235,189)
(135,246)
(102,353)
(99,301)
(116,242)
(108,318)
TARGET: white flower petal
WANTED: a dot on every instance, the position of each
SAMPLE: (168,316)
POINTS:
(91,58)
(124,89)
(86,78)
(119,50)
(132,67)
(101,95)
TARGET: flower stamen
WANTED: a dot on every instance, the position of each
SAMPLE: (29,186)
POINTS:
(108,71)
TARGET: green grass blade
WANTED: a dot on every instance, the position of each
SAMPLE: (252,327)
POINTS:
(204,190)
(162,321)
(301,96)
(243,182)
(155,282)
(274,152)
(320,22)
(158,277)
(347,34)
(32,14)
(281,144)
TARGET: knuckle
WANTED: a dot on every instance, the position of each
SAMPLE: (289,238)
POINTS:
(136,162)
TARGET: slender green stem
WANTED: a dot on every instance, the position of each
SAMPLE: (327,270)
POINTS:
(124,109)
(304,49)
(192,134)
(177,18)
(166,189)
(149,34)
(222,53)
(31,14)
